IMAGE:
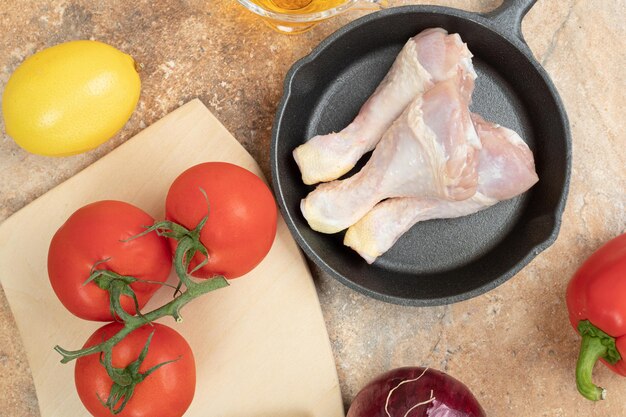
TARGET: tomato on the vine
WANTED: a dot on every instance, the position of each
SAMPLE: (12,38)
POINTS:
(166,392)
(242,216)
(96,235)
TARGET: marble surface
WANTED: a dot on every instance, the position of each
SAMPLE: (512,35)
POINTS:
(512,346)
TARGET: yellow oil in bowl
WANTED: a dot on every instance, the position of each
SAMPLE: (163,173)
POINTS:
(298,6)
(297,16)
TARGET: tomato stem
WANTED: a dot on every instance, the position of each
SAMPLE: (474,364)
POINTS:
(194,290)
(117,285)
(187,246)
(117,289)
(126,379)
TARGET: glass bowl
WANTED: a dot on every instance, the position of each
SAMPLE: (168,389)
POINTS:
(297,20)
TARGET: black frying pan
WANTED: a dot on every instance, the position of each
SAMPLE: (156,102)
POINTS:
(438,261)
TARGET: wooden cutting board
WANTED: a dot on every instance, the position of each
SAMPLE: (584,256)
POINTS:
(260,345)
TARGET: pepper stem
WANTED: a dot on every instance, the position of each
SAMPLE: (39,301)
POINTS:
(591,349)
(595,345)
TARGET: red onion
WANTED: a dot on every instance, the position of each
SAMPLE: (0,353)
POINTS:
(415,392)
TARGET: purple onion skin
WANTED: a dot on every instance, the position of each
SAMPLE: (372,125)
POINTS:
(451,397)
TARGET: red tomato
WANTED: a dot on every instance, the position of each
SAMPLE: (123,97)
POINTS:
(167,392)
(95,233)
(242,216)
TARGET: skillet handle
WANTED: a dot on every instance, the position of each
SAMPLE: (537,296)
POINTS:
(508,17)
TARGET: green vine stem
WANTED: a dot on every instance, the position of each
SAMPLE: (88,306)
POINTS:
(193,290)
(118,285)
(188,244)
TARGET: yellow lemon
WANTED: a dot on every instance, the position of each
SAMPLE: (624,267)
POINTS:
(70,98)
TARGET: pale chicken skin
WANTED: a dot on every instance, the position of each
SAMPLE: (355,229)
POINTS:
(505,169)
(429,57)
(430,151)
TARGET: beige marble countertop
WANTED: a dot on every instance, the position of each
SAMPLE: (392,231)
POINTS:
(512,346)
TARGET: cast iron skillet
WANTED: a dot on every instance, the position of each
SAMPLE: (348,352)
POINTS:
(438,261)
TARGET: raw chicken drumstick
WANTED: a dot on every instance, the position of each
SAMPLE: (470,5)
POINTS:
(506,168)
(429,151)
(426,59)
